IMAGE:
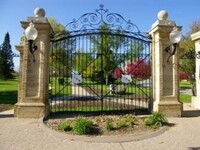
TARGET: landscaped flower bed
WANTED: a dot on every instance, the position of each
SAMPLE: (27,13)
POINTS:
(108,124)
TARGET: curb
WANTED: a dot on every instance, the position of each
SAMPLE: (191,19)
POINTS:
(100,139)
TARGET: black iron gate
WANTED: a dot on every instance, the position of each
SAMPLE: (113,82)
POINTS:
(101,64)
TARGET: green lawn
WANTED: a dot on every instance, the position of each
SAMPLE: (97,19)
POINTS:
(60,89)
(184,97)
(94,87)
(8,91)
(185,84)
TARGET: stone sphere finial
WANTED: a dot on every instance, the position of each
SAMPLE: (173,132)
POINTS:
(39,12)
(162,15)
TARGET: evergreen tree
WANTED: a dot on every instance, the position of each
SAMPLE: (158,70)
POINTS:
(6,59)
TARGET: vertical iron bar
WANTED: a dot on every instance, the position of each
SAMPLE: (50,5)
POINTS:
(63,75)
(85,55)
(51,77)
(56,79)
(102,42)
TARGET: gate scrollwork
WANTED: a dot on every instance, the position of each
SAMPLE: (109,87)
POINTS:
(101,15)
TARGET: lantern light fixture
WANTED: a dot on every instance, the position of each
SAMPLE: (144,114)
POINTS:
(175,37)
(31,34)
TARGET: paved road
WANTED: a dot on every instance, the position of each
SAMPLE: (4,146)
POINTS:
(30,134)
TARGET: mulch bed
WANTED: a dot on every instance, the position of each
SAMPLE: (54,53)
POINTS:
(100,123)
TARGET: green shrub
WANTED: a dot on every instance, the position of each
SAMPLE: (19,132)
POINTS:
(64,127)
(156,120)
(127,120)
(82,126)
(109,125)
(130,119)
(121,123)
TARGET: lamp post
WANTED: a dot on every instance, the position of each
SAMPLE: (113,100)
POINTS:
(175,37)
(31,34)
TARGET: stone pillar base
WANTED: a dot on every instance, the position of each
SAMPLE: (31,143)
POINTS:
(169,108)
(30,110)
(196,102)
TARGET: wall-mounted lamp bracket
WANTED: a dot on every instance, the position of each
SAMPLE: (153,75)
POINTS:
(32,48)
(170,51)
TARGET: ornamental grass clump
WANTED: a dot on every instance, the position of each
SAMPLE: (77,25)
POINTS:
(109,125)
(156,120)
(64,127)
(130,119)
(121,123)
(83,126)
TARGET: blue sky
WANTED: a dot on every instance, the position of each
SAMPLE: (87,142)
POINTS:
(141,12)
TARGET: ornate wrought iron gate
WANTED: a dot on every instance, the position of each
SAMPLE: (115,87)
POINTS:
(102,63)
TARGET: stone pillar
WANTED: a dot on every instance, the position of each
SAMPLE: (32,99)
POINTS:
(164,75)
(34,76)
(196,99)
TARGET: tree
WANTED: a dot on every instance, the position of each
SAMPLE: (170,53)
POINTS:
(139,69)
(6,59)
(194,27)
(82,63)
(57,27)
(117,73)
(187,57)
(106,46)
(61,64)
(183,76)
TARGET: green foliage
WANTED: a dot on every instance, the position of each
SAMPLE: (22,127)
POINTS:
(108,45)
(121,123)
(57,27)
(60,60)
(187,64)
(130,119)
(82,63)
(109,125)
(6,59)
(65,127)
(127,120)
(156,120)
(82,126)
(105,45)
(60,56)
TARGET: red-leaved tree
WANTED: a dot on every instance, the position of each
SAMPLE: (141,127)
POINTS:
(117,73)
(183,75)
(139,69)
